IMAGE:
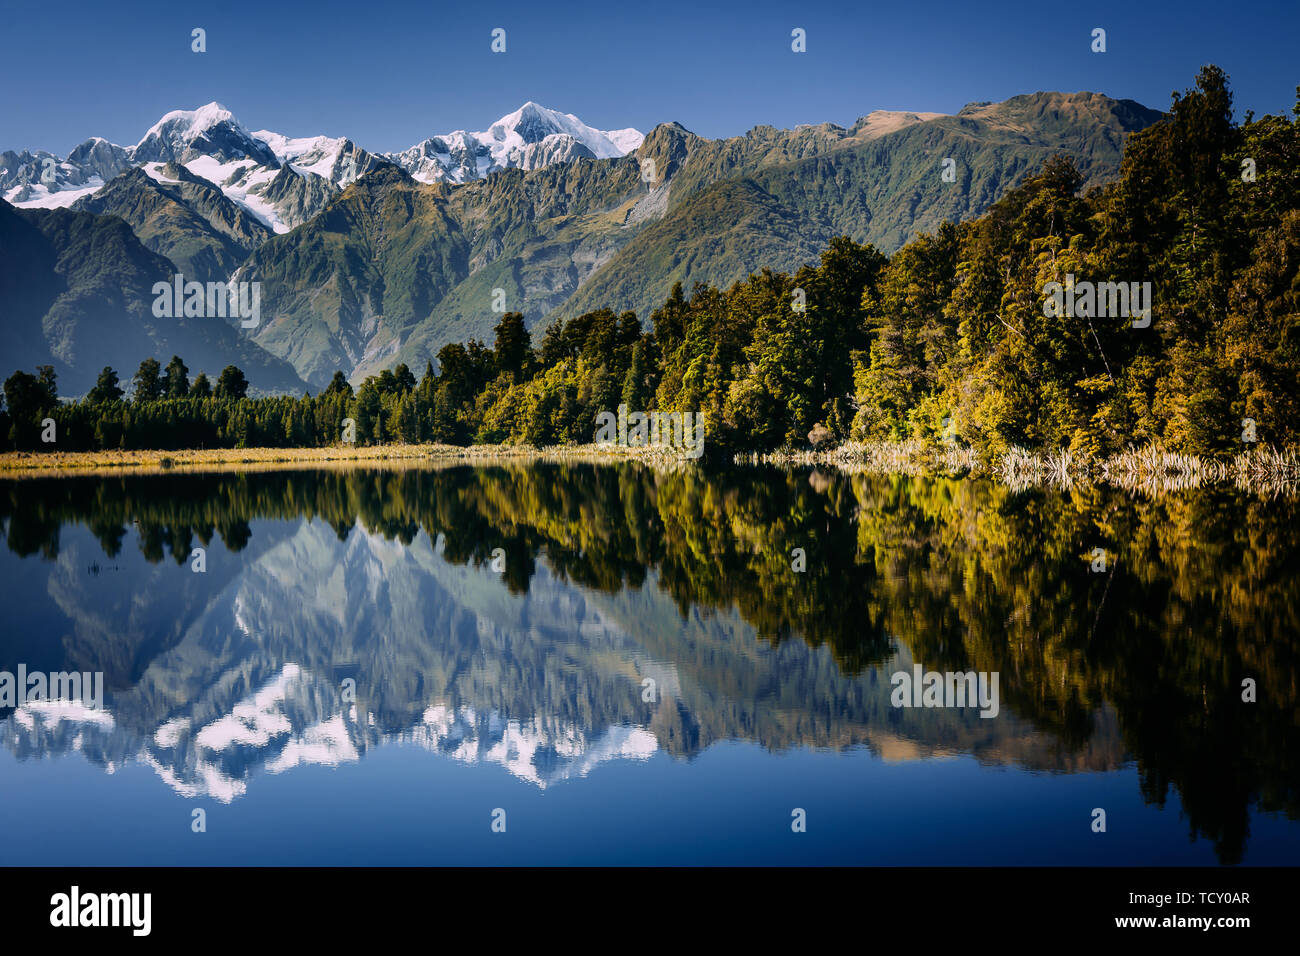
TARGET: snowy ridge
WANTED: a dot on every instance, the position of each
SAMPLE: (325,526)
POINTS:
(532,123)
(512,142)
(210,131)
(307,154)
(211,143)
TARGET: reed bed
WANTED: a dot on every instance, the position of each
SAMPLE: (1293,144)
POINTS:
(1148,469)
(33,464)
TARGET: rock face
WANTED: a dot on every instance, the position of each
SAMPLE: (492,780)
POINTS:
(41,179)
(183,217)
(297,197)
(97,158)
(556,148)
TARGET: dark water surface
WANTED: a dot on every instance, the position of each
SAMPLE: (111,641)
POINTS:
(646,679)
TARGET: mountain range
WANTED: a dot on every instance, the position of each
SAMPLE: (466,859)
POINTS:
(366,259)
(253,169)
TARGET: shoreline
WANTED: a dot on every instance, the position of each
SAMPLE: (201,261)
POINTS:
(18,464)
(1148,468)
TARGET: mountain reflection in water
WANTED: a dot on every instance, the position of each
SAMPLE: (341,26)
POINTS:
(643,612)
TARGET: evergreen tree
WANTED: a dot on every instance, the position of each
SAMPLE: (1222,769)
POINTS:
(231,384)
(554,349)
(48,384)
(637,390)
(513,347)
(339,385)
(629,328)
(148,382)
(403,378)
(176,382)
(106,388)
(27,400)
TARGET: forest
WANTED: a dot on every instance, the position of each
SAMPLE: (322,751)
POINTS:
(946,339)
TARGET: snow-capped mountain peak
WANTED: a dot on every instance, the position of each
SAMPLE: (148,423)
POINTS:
(531,136)
(532,123)
(212,130)
(185,125)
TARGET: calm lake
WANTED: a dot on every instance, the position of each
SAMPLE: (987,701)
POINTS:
(616,665)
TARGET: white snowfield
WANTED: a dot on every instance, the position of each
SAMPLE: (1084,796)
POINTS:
(211,143)
(43,197)
(516,130)
(306,154)
(242,183)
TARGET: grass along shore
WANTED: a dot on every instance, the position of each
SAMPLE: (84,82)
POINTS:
(44,463)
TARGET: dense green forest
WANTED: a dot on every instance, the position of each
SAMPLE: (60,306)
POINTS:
(948,338)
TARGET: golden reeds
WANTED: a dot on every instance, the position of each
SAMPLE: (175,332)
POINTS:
(1149,469)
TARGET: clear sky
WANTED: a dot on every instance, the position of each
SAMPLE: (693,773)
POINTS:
(388,74)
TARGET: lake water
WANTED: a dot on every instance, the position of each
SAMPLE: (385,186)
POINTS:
(622,666)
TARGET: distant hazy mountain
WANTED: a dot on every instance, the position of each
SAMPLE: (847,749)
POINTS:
(75,293)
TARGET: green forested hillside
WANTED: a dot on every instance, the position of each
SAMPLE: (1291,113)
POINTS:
(352,282)
(723,231)
(874,187)
(393,268)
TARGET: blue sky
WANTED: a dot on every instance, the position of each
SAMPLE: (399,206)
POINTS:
(388,74)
